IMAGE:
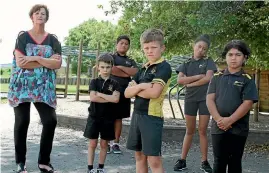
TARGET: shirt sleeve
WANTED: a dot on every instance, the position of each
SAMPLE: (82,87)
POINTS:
(92,86)
(134,65)
(181,68)
(57,48)
(163,74)
(250,91)
(211,65)
(136,77)
(21,43)
(212,85)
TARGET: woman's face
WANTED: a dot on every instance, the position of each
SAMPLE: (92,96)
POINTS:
(122,46)
(40,16)
(200,49)
(235,58)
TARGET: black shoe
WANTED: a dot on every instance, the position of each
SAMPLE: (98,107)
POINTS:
(180,165)
(116,149)
(21,168)
(206,167)
(108,149)
(43,170)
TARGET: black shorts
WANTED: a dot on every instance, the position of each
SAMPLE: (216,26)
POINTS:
(123,107)
(103,127)
(192,107)
(145,134)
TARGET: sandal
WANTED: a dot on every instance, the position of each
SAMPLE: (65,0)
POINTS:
(43,170)
(21,168)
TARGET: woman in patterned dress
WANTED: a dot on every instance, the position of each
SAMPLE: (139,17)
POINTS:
(36,56)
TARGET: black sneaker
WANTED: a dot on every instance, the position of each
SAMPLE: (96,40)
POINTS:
(206,167)
(108,149)
(99,170)
(180,165)
(116,149)
(91,171)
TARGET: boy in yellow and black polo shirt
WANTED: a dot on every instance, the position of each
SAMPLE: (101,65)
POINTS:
(231,94)
(149,87)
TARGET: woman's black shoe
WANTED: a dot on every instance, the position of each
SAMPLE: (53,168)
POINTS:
(43,170)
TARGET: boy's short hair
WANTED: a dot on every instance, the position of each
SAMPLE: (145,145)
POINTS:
(37,7)
(106,58)
(239,45)
(151,35)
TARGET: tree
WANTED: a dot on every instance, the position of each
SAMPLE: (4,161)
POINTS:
(183,21)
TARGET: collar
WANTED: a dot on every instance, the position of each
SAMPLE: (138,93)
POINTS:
(100,78)
(156,62)
(121,55)
(239,73)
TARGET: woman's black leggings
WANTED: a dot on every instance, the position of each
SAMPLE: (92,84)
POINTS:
(228,150)
(22,119)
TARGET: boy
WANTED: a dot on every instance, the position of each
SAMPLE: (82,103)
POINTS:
(149,86)
(124,67)
(231,94)
(104,93)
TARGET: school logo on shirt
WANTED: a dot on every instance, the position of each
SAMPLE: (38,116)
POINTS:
(128,63)
(110,87)
(201,65)
(153,70)
(237,83)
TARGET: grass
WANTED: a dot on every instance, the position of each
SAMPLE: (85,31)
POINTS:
(71,88)
(3,100)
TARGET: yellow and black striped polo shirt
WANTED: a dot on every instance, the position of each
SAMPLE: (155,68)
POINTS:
(157,72)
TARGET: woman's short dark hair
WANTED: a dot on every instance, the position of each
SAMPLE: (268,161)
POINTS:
(123,37)
(106,58)
(239,45)
(37,7)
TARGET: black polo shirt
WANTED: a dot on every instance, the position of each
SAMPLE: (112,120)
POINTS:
(231,90)
(126,62)
(103,110)
(194,67)
(158,72)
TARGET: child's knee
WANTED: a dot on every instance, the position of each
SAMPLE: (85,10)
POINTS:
(92,143)
(139,156)
(103,144)
(155,161)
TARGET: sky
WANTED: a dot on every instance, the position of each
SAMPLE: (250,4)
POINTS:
(64,15)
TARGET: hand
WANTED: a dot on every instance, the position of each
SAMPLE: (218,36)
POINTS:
(144,86)
(22,60)
(56,56)
(132,83)
(225,123)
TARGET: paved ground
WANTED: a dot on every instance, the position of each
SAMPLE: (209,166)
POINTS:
(70,151)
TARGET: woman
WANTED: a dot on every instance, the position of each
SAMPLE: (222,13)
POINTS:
(37,55)
(123,69)
(195,74)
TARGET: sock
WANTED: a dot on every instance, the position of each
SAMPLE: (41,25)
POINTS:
(90,167)
(101,166)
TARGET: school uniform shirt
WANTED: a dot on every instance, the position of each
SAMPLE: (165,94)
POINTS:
(158,72)
(103,110)
(126,62)
(231,90)
(34,85)
(194,67)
